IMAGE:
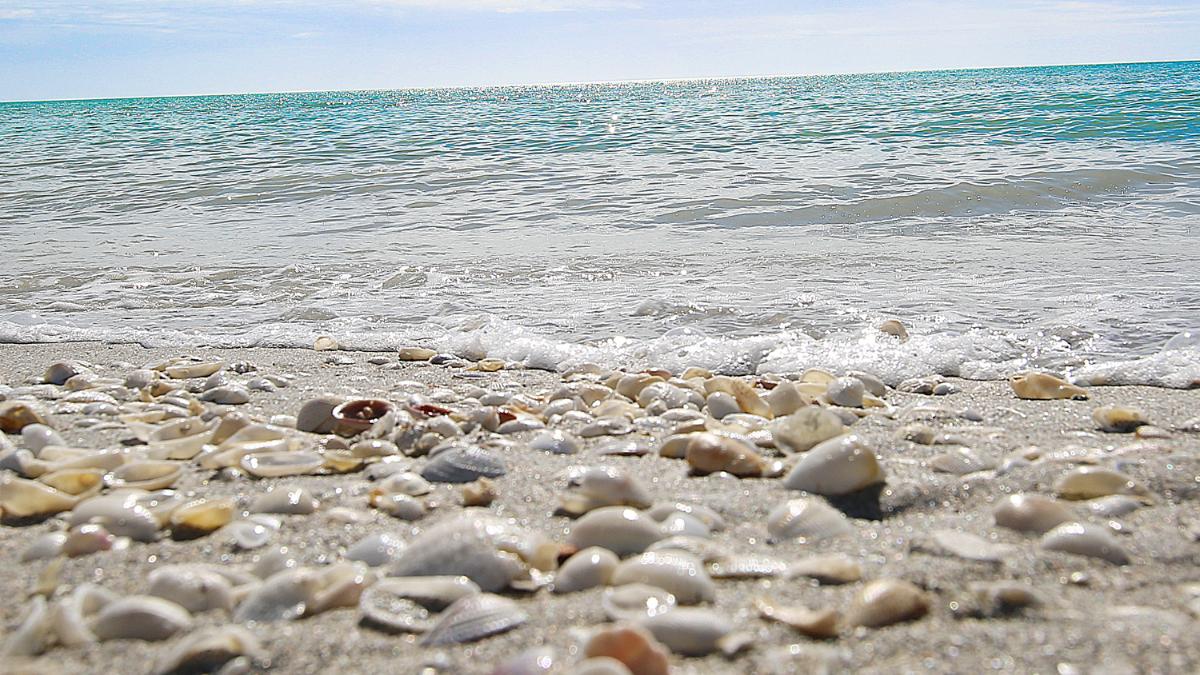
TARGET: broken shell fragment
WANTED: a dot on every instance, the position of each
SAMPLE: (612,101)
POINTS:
(827,569)
(1045,387)
(1118,419)
(463,464)
(632,646)
(814,623)
(200,517)
(356,416)
(16,415)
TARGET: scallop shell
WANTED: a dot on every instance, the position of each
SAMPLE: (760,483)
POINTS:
(1045,387)
(827,569)
(690,631)
(192,587)
(123,514)
(1089,482)
(593,566)
(805,428)
(1031,513)
(887,601)
(814,623)
(809,519)
(680,574)
(21,498)
(201,516)
(557,442)
(375,549)
(145,475)
(631,646)
(489,551)
(140,617)
(286,500)
(474,618)
(1118,419)
(208,649)
(463,464)
(709,453)
(278,464)
(1085,540)
(619,529)
(836,467)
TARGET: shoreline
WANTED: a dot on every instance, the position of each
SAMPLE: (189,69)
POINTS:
(1123,617)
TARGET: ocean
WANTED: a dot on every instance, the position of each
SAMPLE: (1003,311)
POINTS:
(1011,218)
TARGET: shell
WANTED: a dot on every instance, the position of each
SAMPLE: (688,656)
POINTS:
(479,493)
(961,461)
(786,399)
(177,429)
(230,394)
(316,415)
(1114,506)
(356,416)
(48,545)
(997,598)
(746,567)
(140,617)
(1045,387)
(86,540)
(16,415)
(680,574)
(208,649)
(473,618)
(405,483)
(123,514)
(619,529)
(194,588)
(185,371)
(399,506)
(607,426)
(33,634)
(284,596)
(690,631)
(1085,540)
(38,436)
(887,601)
(685,525)
(390,612)
(374,447)
(534,661)
(375,549)
(810,520)
(463,464)
(894,328)
(145,475)
(593,566)
(287,500)
(1031,513)
(599,486)
(490,551)
(340,585)
(835,467)
(201,516)
(708,453)
(325,343)
(710,518)
(79,483)
(277,464)
(248,534)
(847,392)
(59,372)
(720,405)
(1089,482)
(814,623)
(636,601)
(415,354)
(969,547)
(557,442)
(432,593)
(805,428)
(827,569)
(632,646)
(1118,419)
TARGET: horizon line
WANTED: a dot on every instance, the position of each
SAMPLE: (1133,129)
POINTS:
(652,80)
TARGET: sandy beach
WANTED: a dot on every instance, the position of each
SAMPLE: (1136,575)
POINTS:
(1088,615)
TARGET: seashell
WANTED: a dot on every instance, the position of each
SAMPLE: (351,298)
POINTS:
(33,634)
(231,394)
(45,546)
(286,500)
(491,552)
(187,371)
(607,426)
(145,475)
(997,598)
(1088,482)
(200,517)
(1118,419)
(68,615)
(802,430)
(690,631)
(873,384)
(278,464)
(415,354)
(340,585)
(969,547)
(324,343)
(593,566)
(809,520)
(535,661)
(894,328)
(463,464)
(473,618)
(847,392)
(786,399)
(1031,513)
(273,561)
(140,617)
(184,448)
(1045,387)
(1150,432)
(356,416)
(16,415)
(680,574)
(961,461)
(835,467)
(701,547)
(827,569)
(284,596)
(746,567)
(192,587)
(1085,540)
(391,612)
(209,649)
(720,405)
(632,602)
(820,624)
(371,448)
(59,372)
(619,529)
(176,429)
(632,646)
(1114,506)
(79,483)
(399,506)
(87,539)
(316,415)
(480,493)
(708,453)
(887,601)
(37,436)
(248,534)
(682,524)
(124,514)
(375,549)
(406,483)
(710,518)
(599,486)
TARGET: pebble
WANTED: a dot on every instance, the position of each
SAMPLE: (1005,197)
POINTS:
(846,391)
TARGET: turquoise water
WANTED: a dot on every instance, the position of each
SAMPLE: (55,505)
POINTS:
(1012,217)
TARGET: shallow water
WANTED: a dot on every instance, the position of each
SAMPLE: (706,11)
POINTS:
(1012,218)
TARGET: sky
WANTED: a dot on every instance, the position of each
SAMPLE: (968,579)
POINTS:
(52,49)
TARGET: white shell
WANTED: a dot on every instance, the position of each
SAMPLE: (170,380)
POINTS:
(619,529)
(1086,540)
(470,546)
(1088,482)
(145,475)
(586,569)
(38,436)
(230,394)
(681,574)
(284,596)
(709,517)
(838,466)
(407,483)
(399,506)
(48,545)
(286,500)
(961,461)
(1031,513)
(690,631)
(123,514)
(887,601)
(632,602)
(277,464)
(805,428)
(375,549)
(248,534)
(1114,506)
(194,588)
(846,391)
(969,546)
(474,618)
(140,617)
(598,486)
(187,370)
(810,520)
(208,649)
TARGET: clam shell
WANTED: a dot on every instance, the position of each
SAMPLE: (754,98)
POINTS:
(48,545)
(709,517)
(59,372)
(248,534)
(619,529)
(16,415)
(746,567)
(145,475)
(177,429)
(277,464)
(80,483)
(1031,513)
(286,500)
(405,483)
(805,428)
(316,415)
(631,646)
(1045,387)
(685,525)
(847,392)
(38,436)
(1114,506)
(1085,540)
(21,498)
(123,514)
(375,549)
(887,601)
(399,506)
(183,448)
(599,486)
(184,371)
(374,447)
(208,649)
(815,623)
(827,569)
(810,520)
(1089,482)
(680,574)
(708,453)
(87,539)
(201,516)
(690,631)
(593,566)
(474,618)
(835,467)
(704,549)
(489,551)
(961,461)
(463,464)
(632,602)
(284,596)
(557,442)
(1118,419)
(140,617)
(194,588)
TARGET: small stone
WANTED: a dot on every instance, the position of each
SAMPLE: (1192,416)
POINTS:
(945,389)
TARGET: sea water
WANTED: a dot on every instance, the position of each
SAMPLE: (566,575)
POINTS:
(1011,218)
